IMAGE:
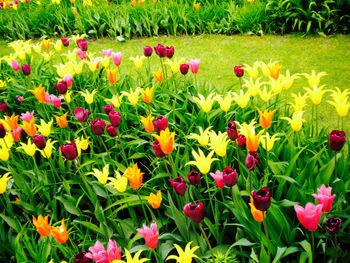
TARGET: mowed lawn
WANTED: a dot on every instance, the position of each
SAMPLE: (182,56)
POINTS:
(219,54)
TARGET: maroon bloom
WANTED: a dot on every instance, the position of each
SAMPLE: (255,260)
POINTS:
(3,107)
(241,141)
(26,69)
(170,52)
(252,160)
(65,42)
(39,141)
(160,124)
(232,130)
(262,199)
(147,51)
(61,87)
(81,114)
(69,151)
(229,176)
(156,149)
(108,108)
(111,130)
(98,126)
(194,178)
(81,258)
(82,44)
(184,68)
(2,131)
(179,185)
(239,71)
(114,118)
(195,212)
(337,140)
(333,225)
(161,51)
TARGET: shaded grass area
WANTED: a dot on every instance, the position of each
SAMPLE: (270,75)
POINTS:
(219,54)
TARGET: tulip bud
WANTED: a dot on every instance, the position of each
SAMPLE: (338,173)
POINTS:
(111,130)
(179,185)
(147,51)
(161,51)
(82,44)
(262,199)
(184,68)
(39,141)
(252,160)
(337,140)
(81,258)
(195,212)
(239,71)
(170,52)
(108,108)
(333,225)
(232,130)
(3,107)
(194,178)
(81,114)
(69,151)
(2,131)
(160,124)
(61,87)
(241,141)
(114,118)
(156,149)
(229,176)
(26,69)
(65,42)
(98,126)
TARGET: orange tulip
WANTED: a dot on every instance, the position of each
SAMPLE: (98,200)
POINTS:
(46,43)
(62,120)
(275,71)
(42,225)
(29,127)
(253,140)
(133,2)
(196,5)
(158,75)
(154,200)
(147,94)
(60,233)
(265,119)
(257,214)
(112,75)
(75,12)
(11,123)
(39,93)
(134,176)
(148,123)
(166,140)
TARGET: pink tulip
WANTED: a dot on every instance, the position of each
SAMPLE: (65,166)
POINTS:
(309,216)
(27,116)
(107,52)
(56,101)
(113,252)
(69,80)
(81,54)
(15,65)
(98,253)
(218,178)
(16,134)
(47,97)
(150,235)
(194,64)
(325,198)
(117,58)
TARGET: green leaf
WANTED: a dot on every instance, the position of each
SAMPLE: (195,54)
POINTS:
(307,247)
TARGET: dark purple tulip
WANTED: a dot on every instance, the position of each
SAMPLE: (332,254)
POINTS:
(26,69)
(156,149)
(230,176)
(82,44)
(81,114)
(262,199)
(333,225)
(337,140)
(161,51)
(232,130)
(81,258)
(3,107)
(194,178)
(39,141)
(241,141)
(98,126)
(65,42)
(69,151)
(147,51)
(114,118)
(108,108)
(184,68)
(170,52)
(195,212)
(252,160)
(179,185)
(239,71)
(160,124)
(111,130)
(61,87)
(2,131)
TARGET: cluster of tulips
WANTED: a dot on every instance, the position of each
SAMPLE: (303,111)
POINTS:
(160,133)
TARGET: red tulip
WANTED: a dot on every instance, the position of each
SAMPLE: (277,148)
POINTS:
(232,130)
(262,199)
(82,44)
(61,87)
(114,118)
(229,176)
(3,107)
(111,130)
(81,258)
(108,108)
(241,141)
(252,160)
(39,141)
(147,51)
(26,69)
(195,212)
(184,68)
(2,131)
(156,149)
(337,140)
(194,178)
(161,51)
(333,225)
(170,52)
(150,234)
(81,114)
(219,180)
(69,151)
(179,185)
(65,42)
(239,71)
(98,126)
(160,124)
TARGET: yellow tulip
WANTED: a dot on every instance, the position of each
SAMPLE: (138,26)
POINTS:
(202,162)
(81,144)
(92,64)
(276,86)
(252,71)
(202,137)
(340,101)
(268,142)
(299,101)
(175,64)
(3,182)
(275,71)
(115,100)
(288,80)
(205,103)
(47,151)
(316,94)
(58,45)
(129,258)
(89,97)
(225,102)
(296,122)
(120,183)
(7,141)
(46,43)
(313,79)
(28,148)
(265,95)
(4,153)
(218,143)
(138,61)
(106,61)
(112,75)
(67,96)
(242,99)
(133,96)
(45,128)
(185,256)
(253,87)
(101,176)
(245,128)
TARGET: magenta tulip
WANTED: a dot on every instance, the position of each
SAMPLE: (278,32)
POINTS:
(239,71)
(117,58)
(232,130)
(81,114)
(160,124)
(98,126)
(150,234)
(219,180)
(179,185)
(147,51)
(69,151)
(229,176)
(195,212)
(309,216)
(194,64)
(325,198)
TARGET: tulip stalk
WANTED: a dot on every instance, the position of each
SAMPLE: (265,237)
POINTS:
(154,252)
(250,182)
(335,248)
(84,181)
(208,243)
(335,165)
(120,144)
(143,207)
(267,234)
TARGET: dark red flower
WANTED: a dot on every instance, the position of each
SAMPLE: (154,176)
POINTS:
(333,225)
(184,68)
(69,151)
(81,114)
(61,87)
(262,199)
(179,185)
(170,52)
(232,130)
(39,141)
(81,258)
(108,108)
(195,212)
(337,140)
(65,42)
(230,176)
(239,71)
(161,51)
(111,130)
(241,141)
(82,44)
(156,149)
(194,178)
(3,107)
(147,51)
(160,124)
(2,131)
(98,126)
(26,69)
(252,160)
(114,118)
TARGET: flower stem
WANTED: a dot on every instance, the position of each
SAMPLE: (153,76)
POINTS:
(82,127)
(250,182)
(172,164)
(206,239)
(143,207)
(122,148)
(335,248)
(312,242)
(267,235)
(104,146)
(84,181)
(155,255)
(335,165)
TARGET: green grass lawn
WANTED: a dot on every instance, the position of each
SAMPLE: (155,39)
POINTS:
(219,54)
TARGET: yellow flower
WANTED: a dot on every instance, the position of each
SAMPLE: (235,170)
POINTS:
(299,101)
(28,148)
(115,100)
(276,86)
(138,61)
(288,80)
(78,67)
(275,71)
(219,143)
(62,120)
(46,43)
(316,94)
(7,141)
(3,182)
(253,140)
(203,137)
(313,79)
(225,102)
(133,96)
(37,47)
(202,162)
(196,5)
(58,45)
(265,95)
(245,128)
(175,64)
(89,97)
(241,99)
(47,151)
(265,68)
(158,75)
(253,87)
(340,101)
(154,200)
(4,153)
(252,71)
(205,103)
(296,122)
(270,141)
(147,94)
(120,183)
(29,127)
(135,176)
(67,96)
(166,140)
(148,123)
(106,61)
(184,256)
(265,118)
(45,128)
(130,259)
(101,176)
(92,64)
(82,144)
